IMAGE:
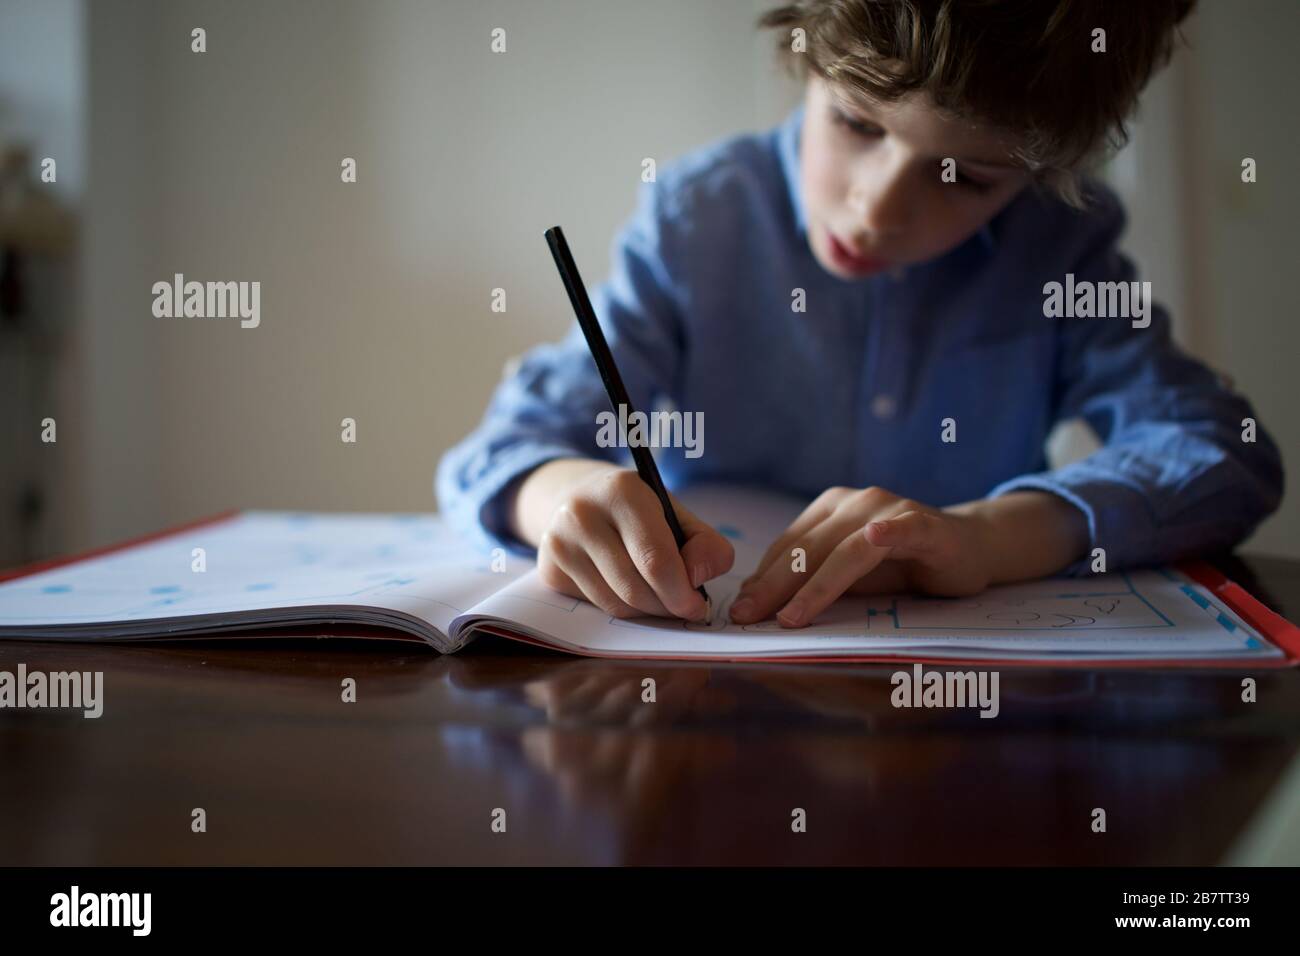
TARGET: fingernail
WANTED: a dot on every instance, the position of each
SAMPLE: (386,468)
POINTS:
(792,613)
(742,608)
(699,574)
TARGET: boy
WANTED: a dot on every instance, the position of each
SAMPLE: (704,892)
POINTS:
(866,305)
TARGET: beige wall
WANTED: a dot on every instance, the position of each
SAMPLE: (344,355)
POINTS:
(375,296)
(1242,269)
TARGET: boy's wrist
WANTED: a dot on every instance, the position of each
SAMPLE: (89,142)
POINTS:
(1026,534)
(532,498)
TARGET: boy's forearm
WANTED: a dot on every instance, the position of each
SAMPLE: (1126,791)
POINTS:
(1028,534)
(534,497)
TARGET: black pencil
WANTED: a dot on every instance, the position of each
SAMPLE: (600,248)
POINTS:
(645,463)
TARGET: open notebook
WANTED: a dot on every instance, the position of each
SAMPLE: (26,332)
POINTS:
(412,576)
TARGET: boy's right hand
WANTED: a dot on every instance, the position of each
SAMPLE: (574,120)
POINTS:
(601,535)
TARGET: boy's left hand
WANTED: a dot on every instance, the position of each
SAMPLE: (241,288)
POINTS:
(865,541)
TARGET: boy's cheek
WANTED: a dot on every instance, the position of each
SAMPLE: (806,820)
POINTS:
(822,180)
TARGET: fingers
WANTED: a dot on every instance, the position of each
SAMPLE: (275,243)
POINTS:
(706,554)
(913,535)
(809,518)
(614,585)
(572,572)
(889,577)
(610,542)
(852,558)
(856,563)
(653,551)
(763,594)
(846,512)
(593,555)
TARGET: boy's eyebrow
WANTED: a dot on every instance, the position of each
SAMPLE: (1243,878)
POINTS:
(856,110)
(991,163)
(847,103)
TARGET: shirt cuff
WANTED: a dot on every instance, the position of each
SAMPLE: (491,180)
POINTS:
(480,512)
(1119,518)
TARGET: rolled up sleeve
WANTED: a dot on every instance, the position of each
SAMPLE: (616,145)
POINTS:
(1176,475)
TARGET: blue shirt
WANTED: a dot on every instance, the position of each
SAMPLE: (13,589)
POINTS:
(854,391)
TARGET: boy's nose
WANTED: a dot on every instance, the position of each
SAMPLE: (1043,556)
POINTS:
(881,210)
(881,198)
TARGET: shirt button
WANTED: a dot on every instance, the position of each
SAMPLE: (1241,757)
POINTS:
(884,406)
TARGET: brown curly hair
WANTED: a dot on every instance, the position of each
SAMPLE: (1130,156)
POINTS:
(1024,66)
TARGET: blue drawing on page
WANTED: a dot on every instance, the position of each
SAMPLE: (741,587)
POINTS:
(1050,604)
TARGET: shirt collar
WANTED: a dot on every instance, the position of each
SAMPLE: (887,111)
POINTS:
(788,136)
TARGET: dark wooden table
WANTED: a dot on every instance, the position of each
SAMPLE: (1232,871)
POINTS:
(257,735)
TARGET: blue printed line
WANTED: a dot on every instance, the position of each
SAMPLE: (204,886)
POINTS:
(1227,623)
(1143,598)
(1196,596)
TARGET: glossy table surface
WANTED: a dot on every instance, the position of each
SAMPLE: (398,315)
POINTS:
(582,771)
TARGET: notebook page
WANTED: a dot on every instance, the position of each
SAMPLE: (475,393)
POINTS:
(262,561)
(1156,615)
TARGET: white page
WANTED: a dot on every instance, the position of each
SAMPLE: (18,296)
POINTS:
(261,561)
(1147,614)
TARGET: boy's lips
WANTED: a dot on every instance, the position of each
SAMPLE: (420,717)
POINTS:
(850,261)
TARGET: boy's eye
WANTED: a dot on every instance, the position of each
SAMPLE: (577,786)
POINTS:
(869,130)
(857,127)
(975,185)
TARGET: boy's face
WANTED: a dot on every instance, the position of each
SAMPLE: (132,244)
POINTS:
(872,183)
